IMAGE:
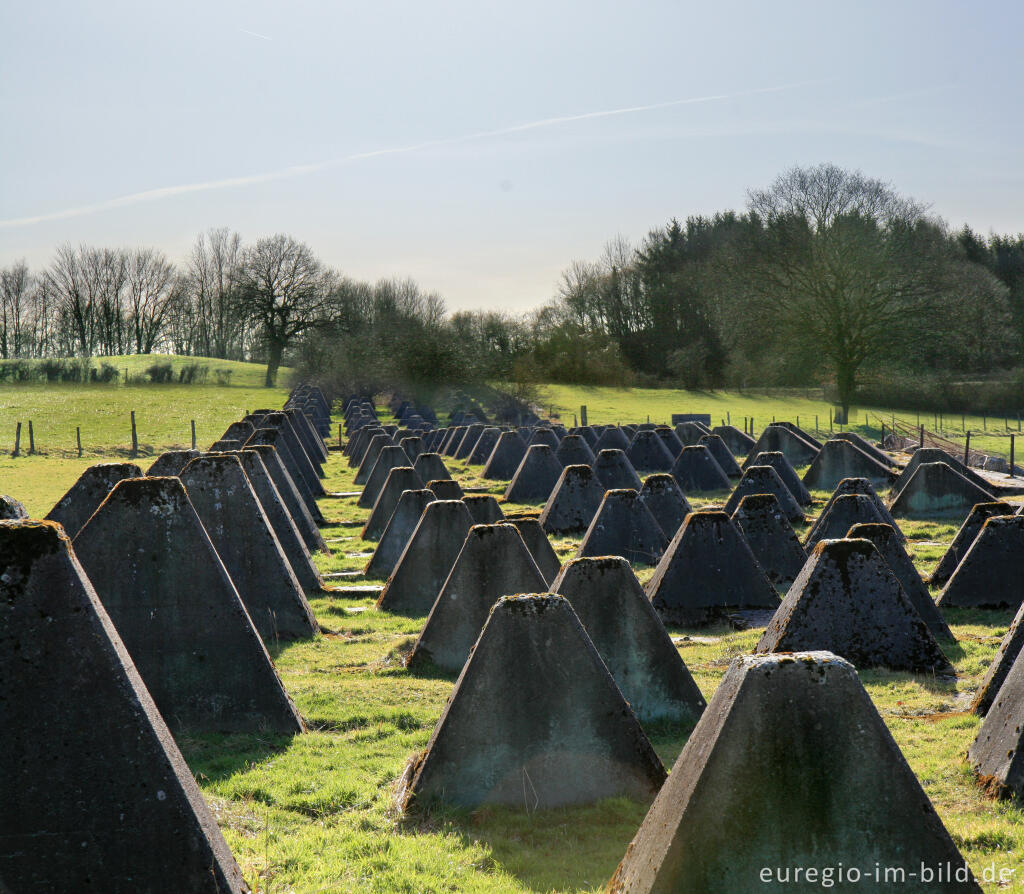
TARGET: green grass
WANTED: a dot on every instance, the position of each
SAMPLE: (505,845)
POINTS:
(315,813)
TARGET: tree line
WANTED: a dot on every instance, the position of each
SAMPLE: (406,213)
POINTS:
(827,276)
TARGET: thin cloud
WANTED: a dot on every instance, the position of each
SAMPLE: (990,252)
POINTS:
(165,192)
(255,34)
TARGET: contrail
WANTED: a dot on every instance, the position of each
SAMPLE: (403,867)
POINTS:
(255,34)
(152,195)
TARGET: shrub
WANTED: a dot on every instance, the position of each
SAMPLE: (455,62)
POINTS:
(106,373)
(160,373)
(191,373)
(223,376)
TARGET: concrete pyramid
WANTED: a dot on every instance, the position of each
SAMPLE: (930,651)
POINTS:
(937,490)
(561,735)
(452,441)
(239,529)
(544,436)
(588,434)
(539,546)
(238,431)
(574,501)
(412,445)
(848,601)
(777,437)
(825,790)
(11,508)
(690,433)
(891,549)
(85,495)
(708,568)
(697,471)
(926,455)
(738,442)
(965,537)
(396,535)
(614,470)
(274,438)
(648,453)
(171,463)
(304,463)
(999,669)
(845,511)
(400,478)
(178,613)
(469,440)
(839,459)
(722,455)
(990,574)
(373,449)
(771,537)
(765,480)
(670,439)
(292,498)
(427,559)
(281,522)
(225,446)
(612,438)
(665,501)
(494,562)
(854,486)
(536,476)
(361,442)
(446,489)
(430,467)
(389,458)
(505,458)
(631,638)
(485,444)
(997,755)
(573,450)
(624,527)
(865,446)
(484,509)
(777,460)
(95,793)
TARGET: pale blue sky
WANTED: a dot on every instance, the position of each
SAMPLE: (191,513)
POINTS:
(386,135)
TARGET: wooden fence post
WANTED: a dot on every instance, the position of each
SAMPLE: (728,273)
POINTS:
(1012,439)
(31,439)
(967,449)
(78,438)
(17,441)
(135,437)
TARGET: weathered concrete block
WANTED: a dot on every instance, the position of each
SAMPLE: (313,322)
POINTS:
(536,476)
(697,471)
(926,455)
(891,549)
(615,472)
(969,530)
(484,509)
(843,513)
(854,486)
(738,442)
(274,438)
(665,501)
(612,438)
(690,433)
(95,794)
(427,559)
(85,495)
(997,755)
(148,555)
(848,601)
(539,743)
(396,535)
(400,478)
(539,546)
(292,498)
(631,638)
(936,490)
(11,508)
(446,489)
(171,463)
(505,458)
(777,437)
(771,537)
(545,436)
(430,467)
(373,449)
(707,569)
(777,460)
(839,459)
(624,527)
(648,453)
(239,529)
(832,791)
(722,455)
(574,501)
(389,458)
(493,562)
(574,450)
(765,480)
(484,445)
(999,669)
(990,574)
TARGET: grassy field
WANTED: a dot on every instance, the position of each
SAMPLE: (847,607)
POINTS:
(315,813)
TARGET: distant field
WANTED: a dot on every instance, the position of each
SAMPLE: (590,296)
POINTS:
(103,412)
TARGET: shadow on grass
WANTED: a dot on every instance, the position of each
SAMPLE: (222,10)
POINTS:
(216,756)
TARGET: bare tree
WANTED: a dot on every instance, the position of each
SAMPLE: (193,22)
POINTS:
(286,291)
(151,281)
(214,272)
(15,295)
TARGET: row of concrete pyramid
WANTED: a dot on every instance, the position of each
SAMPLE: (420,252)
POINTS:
(133,629)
